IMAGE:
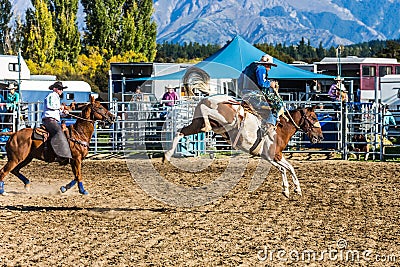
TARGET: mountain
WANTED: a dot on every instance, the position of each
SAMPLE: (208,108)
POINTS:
(270,21)
(277,21)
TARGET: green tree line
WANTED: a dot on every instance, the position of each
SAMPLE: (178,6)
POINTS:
(303,51)
(50,42)
(123,31)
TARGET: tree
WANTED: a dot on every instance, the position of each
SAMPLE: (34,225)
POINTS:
(39,35)
(68,45)
(146,29)
(103,23)
(5,17)
(128,28)
(18,35)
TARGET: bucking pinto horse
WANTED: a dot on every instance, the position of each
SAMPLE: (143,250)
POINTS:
(22,147)
(240,126)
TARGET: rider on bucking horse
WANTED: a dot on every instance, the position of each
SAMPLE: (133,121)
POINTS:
(262,94)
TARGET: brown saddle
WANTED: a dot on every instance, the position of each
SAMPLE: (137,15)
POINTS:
(249,108)
(40,133)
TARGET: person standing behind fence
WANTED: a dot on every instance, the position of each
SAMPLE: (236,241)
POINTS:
(3,111)
(12,101)
(170,96)
(388,120)
(337,92)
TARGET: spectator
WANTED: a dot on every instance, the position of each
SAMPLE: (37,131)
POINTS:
(12,101)
(137,96)
(337,92)
(170,96)
(3,111)
(388,120)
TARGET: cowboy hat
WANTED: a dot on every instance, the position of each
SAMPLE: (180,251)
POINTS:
(169,86)
(57,85)
(11,86)
(267,60)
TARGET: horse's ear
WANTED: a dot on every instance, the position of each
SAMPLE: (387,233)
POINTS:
(92,99)
(312,108)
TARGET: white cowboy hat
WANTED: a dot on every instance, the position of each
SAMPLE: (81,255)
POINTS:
(267,59)
(169,86)
(11,86)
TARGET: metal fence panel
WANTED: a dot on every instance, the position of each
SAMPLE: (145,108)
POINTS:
(148,127)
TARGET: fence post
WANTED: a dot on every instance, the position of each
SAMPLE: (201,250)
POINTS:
(344,130)
(381,125)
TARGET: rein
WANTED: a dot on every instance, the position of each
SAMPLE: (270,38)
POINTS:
(292,120)
(78,117)
(304,118)
(83,143)
(89,120)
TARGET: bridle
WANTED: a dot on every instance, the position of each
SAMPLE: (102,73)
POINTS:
(94,110)
(306,124)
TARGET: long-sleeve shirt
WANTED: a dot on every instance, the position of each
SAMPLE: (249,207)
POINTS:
(12,101)
(170,98)
(52,106)
(389,119)
(261,74)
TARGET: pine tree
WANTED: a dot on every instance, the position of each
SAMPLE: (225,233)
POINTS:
(5,17)
(39,35)
(68,45)
(17,35)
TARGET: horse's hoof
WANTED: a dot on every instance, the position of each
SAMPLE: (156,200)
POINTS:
(84,192)
(298,191)
(166,158)
(27,187)
(285,192)
(63,189)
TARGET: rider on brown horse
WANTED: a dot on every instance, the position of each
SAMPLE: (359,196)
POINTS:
(51,118)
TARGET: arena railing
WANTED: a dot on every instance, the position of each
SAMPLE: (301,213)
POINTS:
(149,127)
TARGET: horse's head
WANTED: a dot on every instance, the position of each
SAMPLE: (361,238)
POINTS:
(95,111)
(309,123)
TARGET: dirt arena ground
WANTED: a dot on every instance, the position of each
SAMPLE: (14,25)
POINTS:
(349,215)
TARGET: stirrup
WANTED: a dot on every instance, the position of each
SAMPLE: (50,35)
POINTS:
(268,130)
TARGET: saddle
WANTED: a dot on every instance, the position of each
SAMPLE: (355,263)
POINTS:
(40,133)
(249,108)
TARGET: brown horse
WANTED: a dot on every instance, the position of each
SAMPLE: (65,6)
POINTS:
(238,125)
(22,148)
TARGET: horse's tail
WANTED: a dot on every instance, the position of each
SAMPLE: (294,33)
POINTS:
(6,133)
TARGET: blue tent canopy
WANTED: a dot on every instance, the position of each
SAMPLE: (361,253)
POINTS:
(231,60)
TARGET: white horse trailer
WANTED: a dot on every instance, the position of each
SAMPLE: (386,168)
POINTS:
(35,91)
(390,91)
(10,70)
